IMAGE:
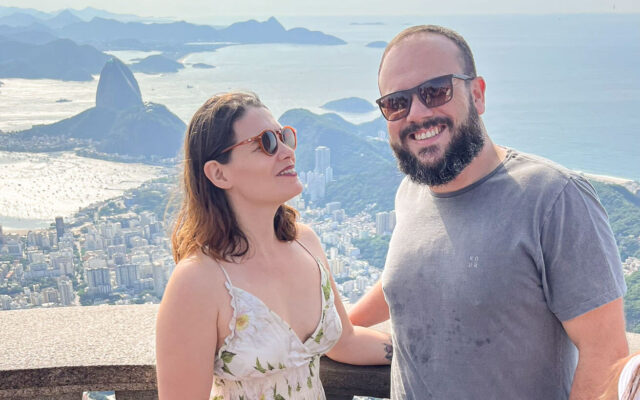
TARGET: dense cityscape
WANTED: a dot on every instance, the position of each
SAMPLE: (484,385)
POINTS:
(106,255)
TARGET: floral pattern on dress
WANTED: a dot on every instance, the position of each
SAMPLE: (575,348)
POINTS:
(263,358)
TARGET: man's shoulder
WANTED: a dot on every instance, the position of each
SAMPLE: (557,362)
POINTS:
(535,170)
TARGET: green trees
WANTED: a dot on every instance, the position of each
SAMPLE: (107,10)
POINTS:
(623,208)
(373,249)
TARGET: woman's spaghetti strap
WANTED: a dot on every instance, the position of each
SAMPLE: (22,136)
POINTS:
(224,271)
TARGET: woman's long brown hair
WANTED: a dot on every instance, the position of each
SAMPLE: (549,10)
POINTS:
(206,221)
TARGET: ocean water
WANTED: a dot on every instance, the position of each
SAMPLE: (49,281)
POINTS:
(37,187)
(566,87)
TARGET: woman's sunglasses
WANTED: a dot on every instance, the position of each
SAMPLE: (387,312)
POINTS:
(268,140)
(432,93)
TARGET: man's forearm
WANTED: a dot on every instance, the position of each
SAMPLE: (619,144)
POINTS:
(591,376)
(371,309)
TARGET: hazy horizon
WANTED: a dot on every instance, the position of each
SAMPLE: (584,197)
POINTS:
(204,10)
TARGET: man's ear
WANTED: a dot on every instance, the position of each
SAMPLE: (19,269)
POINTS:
(478,87)
(217,174)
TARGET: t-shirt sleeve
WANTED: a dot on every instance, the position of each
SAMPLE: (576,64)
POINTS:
(582,268)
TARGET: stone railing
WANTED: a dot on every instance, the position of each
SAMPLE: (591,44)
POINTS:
(59,353)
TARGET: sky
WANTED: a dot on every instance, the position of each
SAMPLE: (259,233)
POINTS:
(194,10)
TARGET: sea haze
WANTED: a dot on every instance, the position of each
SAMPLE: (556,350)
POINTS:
(565,87)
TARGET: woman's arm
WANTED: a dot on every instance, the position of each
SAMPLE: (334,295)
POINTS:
(186,334)
(357,345)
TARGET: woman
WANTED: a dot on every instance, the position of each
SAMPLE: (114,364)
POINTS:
(250,306)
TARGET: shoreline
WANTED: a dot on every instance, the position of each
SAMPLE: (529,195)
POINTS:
(20,232)
(632,185)
(608,179)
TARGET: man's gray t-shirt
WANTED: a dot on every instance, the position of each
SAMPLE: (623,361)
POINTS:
(479,280)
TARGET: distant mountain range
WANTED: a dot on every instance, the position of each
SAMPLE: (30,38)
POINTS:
(105,30)
(33,45)
(59,59)
(85,14)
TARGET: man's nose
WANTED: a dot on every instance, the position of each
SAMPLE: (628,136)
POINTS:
(418,111)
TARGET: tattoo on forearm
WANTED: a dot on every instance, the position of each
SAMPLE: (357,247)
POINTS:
(388,349)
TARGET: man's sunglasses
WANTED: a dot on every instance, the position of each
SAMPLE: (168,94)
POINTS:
(432,93)
(268,140)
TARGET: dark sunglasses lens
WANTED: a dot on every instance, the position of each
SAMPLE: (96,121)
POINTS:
(289,137)
(269,142)
(395,106)
(436,92)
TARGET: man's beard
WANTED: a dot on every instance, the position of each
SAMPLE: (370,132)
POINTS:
(466,142)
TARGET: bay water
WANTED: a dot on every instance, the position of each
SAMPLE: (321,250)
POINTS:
(566,87)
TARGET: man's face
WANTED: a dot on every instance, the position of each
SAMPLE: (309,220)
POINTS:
(433,145)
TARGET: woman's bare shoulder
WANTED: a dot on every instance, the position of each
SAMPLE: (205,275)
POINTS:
(197,278)
(308,237)
(305,231)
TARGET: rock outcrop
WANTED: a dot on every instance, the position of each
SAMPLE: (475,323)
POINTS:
(120,123)
(117,88)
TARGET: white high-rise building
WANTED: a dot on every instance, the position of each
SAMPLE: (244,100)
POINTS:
(5,302)
(323,159)
(127,275)
(315,185)
(62,261)
(328,174)
(382,223)
(337,266)
(35,299)
(159,280)
(98,280)
(332,206)
(65,288)
(392,220)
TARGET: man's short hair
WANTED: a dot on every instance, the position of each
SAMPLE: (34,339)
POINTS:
(468,64)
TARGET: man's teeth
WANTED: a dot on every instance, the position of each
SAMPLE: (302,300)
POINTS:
(428,134)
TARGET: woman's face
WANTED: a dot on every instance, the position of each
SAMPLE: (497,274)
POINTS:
(254,175)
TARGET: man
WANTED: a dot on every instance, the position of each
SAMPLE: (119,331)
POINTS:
(502,272)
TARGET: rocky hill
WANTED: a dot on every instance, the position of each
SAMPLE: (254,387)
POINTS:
(120,123)
(364,168)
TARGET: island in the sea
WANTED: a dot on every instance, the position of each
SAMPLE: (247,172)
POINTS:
(353,105)
(379,44)
(202,66)
(156,64)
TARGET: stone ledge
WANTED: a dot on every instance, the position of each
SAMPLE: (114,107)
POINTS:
(45,382)
(77,336)
(341,381)
(58,353)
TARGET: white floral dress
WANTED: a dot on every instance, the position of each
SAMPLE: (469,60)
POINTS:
(263,358)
